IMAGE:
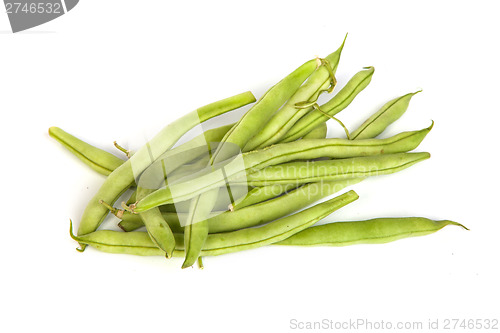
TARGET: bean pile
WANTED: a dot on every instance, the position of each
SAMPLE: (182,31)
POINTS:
(248,184)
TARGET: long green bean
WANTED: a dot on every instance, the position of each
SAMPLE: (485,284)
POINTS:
(139,243)
(280,153)
(123,176)
(375,231)
(98,159)
(338,103)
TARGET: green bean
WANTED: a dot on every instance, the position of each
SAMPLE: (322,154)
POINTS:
(105,163)
(168,165)
(289,114)
(130,222)
(98,159)
(261,194)
(138,243)
(280,153)
(338,103)
(375,231)
(319,132)
(380,120)
(331,170)
(156,226)
(270,210)
(123,176)
(257,214)
(159,231)
(277,230)
(252,121)
(231,145)
(222,203)
(132,198)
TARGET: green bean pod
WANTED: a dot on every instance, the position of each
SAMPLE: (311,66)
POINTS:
(130,222)
(259,114)
(123,176)
(222,203)
(380,120)
(289,114)
(319,132)
(256,214)
(338,103)
(139,243)
(231,145)
(156,226)
(375,231)
(97,159)
(261,194)
(104,163)
(332,170)
(281,153)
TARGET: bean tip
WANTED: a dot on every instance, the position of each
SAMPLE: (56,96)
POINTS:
(82,246)
(369,68)
(459,225)
(432,125)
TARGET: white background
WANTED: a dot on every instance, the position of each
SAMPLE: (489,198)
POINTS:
(120,70)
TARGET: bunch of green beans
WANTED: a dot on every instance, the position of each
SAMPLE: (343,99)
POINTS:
(252,183)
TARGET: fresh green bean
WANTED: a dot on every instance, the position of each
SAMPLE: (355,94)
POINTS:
(156,226)
(331,170)
(257,214)
(375,231)
(105,163)
(123,176)
(380,120)
(261,194)
(231,145)
(253,120)
(319,132)
(338,103)
(280,153)
(289,114)
(222,203)
(138,243)
(98,159)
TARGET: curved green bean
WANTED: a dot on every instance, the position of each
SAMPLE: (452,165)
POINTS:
(98,159)
(381,119)
(375,231)
(319,132)
(222,203)
(289,114)
(105,163)
(331,170)
(338,103)
(139,243)
(261,194)
(232,143)
(257,214)
(253,120)
(123,176)
(280,153)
